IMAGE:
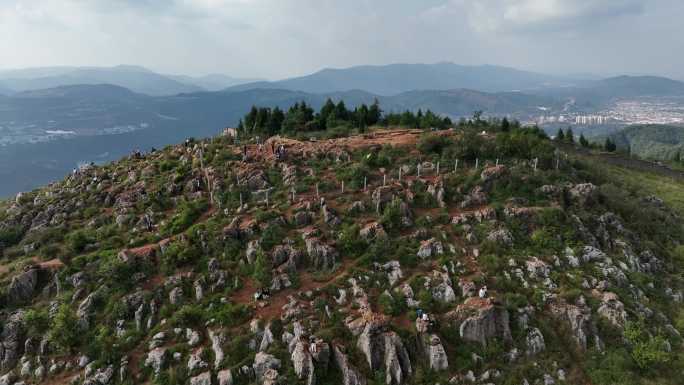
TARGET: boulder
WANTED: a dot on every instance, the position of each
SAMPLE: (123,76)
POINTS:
(156,359)
(23,287)
(264,362)
(477,197)
(444,293)
(201,379)
(322,256)
(535,342)
(492,173)
(584,194)
(431,247)
(613,310)
(480,320)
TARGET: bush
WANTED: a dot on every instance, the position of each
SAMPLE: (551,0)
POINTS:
(433,143)
(647,351)
(10,236)
(64,330)
(78,240)
(189,212)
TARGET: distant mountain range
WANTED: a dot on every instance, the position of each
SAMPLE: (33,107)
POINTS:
(397,78)
(137,79)
(213,82)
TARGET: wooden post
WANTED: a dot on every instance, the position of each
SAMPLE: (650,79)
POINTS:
(456,166)
(477,162)
(384,179)
(293,195)
(342,187)
(241,204)
(497,162)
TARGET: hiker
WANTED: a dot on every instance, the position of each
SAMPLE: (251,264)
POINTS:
(483,292)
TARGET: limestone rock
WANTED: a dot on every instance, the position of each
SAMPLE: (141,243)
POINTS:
(23,286)
(201,379)
(156,359)
(535,342)
(612,309)
(350,375)
(480,321)
(264,362)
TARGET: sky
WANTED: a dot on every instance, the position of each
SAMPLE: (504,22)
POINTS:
(276,39)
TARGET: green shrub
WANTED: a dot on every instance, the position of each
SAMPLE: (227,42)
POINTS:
(10,236)
(433,143)
(64,330)
(647,351)
(188,213)
(78,240)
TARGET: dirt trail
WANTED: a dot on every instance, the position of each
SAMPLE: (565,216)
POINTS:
(402,137)
(273,307)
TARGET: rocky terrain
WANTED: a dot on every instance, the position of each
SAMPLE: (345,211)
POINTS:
(466,256)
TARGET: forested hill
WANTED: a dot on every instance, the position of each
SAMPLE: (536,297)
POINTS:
(663,142)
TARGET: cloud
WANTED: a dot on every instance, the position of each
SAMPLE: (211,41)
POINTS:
(282,38)
(539,15)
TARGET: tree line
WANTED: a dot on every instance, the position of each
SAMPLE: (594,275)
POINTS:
(301,117)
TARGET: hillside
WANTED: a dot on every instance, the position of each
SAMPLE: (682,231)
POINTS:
(394,79)
(211,262)
(651,141)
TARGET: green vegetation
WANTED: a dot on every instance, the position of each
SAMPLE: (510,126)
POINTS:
(336,119)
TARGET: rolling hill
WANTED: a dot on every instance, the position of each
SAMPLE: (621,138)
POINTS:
(662,142)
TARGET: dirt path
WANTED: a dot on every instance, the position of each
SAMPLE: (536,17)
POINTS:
(273,307)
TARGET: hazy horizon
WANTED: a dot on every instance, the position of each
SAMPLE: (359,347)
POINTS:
(277,39)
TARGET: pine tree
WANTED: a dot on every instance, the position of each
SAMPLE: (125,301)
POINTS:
(569,136)
(583,141)
(560,136)
(505,125)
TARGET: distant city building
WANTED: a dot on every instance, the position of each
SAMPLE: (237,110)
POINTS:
(230,132)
